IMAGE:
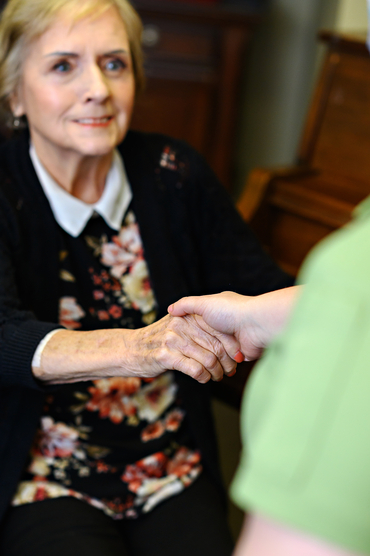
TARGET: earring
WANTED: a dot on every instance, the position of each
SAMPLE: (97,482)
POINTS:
(16,122)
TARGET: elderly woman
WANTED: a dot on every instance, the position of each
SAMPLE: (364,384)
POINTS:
(100,230)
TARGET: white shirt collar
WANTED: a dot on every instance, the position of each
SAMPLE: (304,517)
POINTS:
(71,213)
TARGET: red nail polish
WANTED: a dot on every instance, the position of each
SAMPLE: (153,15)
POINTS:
(239,357)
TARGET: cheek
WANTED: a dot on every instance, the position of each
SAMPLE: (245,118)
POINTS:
(125,96)
(41,100)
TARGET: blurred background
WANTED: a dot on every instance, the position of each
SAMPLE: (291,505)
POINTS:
(234,78)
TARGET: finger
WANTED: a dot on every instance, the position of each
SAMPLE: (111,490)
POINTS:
(231,346)
(207,358)
(186,306)
(192,368)
(200,334)
(184,335)
(227,363)
(177,343)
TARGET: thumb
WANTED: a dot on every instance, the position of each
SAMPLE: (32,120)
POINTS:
(186,306)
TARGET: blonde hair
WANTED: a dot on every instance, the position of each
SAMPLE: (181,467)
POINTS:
(22,21)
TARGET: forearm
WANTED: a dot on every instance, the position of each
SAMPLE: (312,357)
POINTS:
(72,356)
(168,344)
(271,311)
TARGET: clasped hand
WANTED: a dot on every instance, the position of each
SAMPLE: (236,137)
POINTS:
(203,337)
(253,322)
(186,344)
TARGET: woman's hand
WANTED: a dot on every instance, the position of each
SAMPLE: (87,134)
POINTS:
(185,344)
(253,321)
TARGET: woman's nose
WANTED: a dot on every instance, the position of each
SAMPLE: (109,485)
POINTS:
(95,85)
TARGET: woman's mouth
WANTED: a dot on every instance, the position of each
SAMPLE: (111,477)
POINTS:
(95,122)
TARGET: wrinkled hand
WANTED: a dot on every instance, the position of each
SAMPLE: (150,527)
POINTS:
(185,344)
(253,321)
(225,312)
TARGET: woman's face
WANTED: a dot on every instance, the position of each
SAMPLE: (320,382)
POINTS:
(77,86)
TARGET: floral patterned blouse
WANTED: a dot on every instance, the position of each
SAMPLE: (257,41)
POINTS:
(121,444)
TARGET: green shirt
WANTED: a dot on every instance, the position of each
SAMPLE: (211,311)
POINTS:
(306,412)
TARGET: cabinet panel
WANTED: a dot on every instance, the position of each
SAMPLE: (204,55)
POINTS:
(193,60)
(297,207)
(181,110)
(178,42)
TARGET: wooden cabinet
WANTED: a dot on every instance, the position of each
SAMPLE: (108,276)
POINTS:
(194,58)
(291,209)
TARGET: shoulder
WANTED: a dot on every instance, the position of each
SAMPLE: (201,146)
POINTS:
(342,257)
(12,160)
(170,169)
(8,187)
(154,142)
(155,152)
(13,154)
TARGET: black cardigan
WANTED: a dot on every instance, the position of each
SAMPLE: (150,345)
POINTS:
(194,242)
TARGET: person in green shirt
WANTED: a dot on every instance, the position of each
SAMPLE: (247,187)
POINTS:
(304,475)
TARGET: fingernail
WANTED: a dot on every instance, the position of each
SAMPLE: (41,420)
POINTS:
(231,373)
(170,308)
(239,357)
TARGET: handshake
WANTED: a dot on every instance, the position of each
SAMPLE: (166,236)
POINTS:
(239,327)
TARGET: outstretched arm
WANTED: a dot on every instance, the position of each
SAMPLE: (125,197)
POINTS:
(254,321)
(185,344)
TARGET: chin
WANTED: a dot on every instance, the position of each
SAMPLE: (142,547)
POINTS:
(98,148)
(98,141)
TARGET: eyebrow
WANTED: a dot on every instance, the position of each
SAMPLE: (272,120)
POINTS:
(74,55)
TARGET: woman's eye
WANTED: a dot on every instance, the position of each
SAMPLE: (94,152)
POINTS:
(62,67)
(115,65)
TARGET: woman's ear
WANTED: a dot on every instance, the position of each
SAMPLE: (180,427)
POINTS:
(16,104)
